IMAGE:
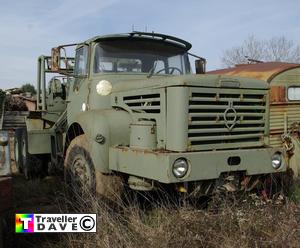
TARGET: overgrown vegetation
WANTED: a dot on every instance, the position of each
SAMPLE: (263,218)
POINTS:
(226,222)
(28,88)
(251,222)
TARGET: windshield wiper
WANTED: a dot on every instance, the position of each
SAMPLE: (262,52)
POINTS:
(151,72)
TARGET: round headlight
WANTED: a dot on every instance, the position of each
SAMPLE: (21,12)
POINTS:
(180,167)
(104,88)
(277,160)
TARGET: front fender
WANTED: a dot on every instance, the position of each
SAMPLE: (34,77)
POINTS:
(113,125)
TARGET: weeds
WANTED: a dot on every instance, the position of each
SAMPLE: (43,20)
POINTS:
(233,224)
(229,221)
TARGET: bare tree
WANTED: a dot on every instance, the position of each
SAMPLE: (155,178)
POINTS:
(281,49)
(275,49)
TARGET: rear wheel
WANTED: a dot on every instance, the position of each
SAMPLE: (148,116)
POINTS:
(30,165)
(18,150)
(81,175)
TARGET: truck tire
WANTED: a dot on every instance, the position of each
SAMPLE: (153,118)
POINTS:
(31,164)
(80,172)
(18,149)
(25,156)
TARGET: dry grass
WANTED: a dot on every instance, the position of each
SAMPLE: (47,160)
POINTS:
(248,223)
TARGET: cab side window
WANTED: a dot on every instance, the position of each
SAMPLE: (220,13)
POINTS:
(81,61)
(294,93)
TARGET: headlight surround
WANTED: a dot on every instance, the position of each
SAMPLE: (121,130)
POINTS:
(277,160)
(180,167)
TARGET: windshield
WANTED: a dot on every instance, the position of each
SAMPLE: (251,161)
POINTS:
(140,56)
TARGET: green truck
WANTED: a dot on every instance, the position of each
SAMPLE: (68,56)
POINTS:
(127,110)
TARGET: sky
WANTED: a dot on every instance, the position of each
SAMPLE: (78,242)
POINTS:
(32,27)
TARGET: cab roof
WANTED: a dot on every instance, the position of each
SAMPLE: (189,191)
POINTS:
(144,36)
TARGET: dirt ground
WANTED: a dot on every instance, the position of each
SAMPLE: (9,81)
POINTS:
(37,196)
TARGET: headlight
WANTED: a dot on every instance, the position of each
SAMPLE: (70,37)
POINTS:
(104,88)
(277,160)
(180,167)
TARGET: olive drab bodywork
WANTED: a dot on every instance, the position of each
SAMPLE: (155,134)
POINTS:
(132,108)
(284,81)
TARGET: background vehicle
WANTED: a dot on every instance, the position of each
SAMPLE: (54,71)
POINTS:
(131,112)
(5,186)
(284,79)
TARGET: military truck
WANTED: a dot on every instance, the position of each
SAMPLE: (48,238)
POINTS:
(131,112)
(284,81)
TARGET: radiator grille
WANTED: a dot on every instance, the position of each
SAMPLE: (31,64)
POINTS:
(222,116)
(148,103)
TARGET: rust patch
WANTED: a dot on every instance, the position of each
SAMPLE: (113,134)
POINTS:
(55,59)
(278,94)
(156,152)
(263,71)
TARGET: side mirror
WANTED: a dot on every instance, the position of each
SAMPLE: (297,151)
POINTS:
(60,62)
(55,59)
(200,66)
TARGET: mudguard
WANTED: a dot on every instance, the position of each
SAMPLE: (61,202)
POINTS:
(104,129)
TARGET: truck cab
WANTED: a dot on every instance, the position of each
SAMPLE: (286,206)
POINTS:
(136,114)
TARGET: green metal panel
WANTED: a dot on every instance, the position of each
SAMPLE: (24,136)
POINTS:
(287,111)
(39,141)
(177,118)
(112,125)
(286,78)
(203,165)
(145,98)
(279,113)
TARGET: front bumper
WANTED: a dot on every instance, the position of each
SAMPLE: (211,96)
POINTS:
(204,165)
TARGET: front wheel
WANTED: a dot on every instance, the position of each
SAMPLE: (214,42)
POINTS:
(80,172)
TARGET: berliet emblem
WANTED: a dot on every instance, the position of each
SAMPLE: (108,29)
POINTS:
(230,116)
